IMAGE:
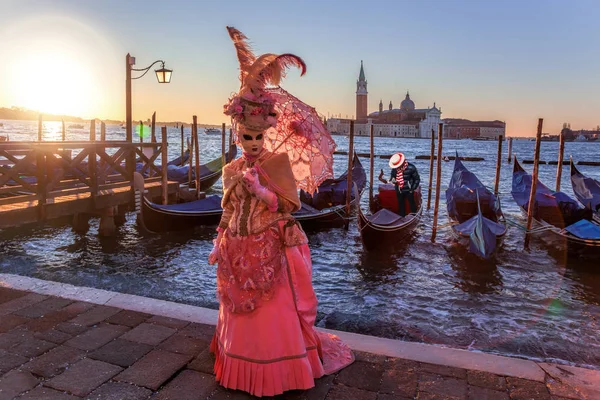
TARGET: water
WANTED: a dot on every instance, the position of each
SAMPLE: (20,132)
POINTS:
(539,304)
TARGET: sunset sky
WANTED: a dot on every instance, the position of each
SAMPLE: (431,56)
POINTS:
(512,60)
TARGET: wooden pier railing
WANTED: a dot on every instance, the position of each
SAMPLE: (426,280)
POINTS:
(37,175)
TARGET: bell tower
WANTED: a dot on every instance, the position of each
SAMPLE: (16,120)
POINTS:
(361,95)
(380,106)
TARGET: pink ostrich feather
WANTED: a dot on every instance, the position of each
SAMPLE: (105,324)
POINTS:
(244,52)
(274,71)
(269,69)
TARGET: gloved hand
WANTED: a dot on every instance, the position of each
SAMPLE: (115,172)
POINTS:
(381,177)
(214,255)
(253,185)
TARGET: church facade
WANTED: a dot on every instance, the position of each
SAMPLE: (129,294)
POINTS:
(405,121)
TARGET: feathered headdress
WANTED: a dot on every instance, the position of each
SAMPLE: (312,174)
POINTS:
(261,103)
(252,106)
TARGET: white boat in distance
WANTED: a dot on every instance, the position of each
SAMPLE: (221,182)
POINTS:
(212,131)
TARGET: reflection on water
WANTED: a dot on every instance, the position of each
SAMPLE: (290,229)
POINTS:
(475,275)
(540,303)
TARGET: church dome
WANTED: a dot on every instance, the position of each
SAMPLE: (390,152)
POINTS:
(407,104)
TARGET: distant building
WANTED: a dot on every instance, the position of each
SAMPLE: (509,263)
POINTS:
(406,121)
(361,96)
(340,126)
(580,135)
(409,121)
(457,128)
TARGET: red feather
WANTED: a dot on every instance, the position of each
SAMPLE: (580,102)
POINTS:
(290,60)
(245,54)
(274,71)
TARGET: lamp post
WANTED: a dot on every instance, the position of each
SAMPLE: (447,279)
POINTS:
(163,75)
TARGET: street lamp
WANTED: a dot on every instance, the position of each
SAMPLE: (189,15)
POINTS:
(162,74)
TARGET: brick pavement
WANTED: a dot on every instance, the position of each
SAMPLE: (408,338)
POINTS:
(53,348)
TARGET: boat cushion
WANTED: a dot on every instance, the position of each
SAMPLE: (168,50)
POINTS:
(306,209)
(385,217)
(584,229)
(207,204)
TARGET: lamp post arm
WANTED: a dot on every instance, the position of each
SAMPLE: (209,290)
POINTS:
(147,68)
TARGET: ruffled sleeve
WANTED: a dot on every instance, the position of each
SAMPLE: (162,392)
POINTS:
(226,216)
(230,179)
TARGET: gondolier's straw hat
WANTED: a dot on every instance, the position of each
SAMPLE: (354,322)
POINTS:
(397,160)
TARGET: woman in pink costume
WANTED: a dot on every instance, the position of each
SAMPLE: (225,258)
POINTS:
(265,342)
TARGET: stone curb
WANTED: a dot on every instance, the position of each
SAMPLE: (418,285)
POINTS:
(420,352)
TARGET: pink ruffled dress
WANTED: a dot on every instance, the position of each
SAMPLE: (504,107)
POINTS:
(265,342)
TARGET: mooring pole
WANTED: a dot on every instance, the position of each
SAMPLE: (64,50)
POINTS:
(92,167)
(349,177)
(536,165)
(498,165)
(190,144)
(40,128)
(141,133)
(431,169)
(372,165)
(223,134)
(164,156)
(561,154)
(438,179)
(509,159)
(130,159)
(102,131)
(63,130)
(197,150)
(153,127)
(182,146)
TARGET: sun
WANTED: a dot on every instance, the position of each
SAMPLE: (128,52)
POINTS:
(53,82)
(58,64)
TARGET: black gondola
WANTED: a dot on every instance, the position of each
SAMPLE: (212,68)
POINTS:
(179,161)
(384,228)
(209,172)
(475,212)
(157,218)
(556,213)
(327,207)
(161,218)
(587,190)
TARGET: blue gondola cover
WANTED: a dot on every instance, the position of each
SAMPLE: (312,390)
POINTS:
(587,190)
(584,229)
(464,187)
(207,204)
(546,200)
(483,233)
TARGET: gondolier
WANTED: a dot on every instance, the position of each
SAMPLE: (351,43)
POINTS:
(406,180)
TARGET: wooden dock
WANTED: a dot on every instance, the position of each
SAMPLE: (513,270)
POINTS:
(46,180)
